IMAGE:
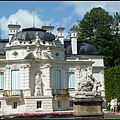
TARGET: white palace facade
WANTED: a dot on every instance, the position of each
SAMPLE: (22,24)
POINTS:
(39,71)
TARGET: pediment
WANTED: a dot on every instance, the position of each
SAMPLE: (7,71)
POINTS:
(29,56)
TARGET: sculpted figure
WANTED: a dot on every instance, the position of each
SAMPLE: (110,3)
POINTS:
(38,52)
(88,85)
(38,85)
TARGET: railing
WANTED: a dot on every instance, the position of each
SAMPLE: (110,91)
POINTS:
(60,92)
(13,93)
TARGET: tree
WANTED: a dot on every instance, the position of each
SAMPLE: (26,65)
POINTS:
(97,28)
(116,36)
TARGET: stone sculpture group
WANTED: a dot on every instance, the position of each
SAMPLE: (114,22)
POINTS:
(88,86)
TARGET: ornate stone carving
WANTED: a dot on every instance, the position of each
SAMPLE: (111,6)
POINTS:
(38,85)
(47,55)
(57,43)
(88,86)
(15,53)
(38,53)
(28,49)
(37,39)
(14,41)
(15,66)
(77,67)
(7,68)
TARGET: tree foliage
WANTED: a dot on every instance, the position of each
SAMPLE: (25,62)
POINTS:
(102,30)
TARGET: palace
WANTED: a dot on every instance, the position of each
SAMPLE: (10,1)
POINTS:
(39,71)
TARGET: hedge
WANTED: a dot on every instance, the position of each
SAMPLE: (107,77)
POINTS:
(112,83)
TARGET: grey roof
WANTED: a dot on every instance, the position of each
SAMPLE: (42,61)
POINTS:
(2,46)
(82,48)
(30,33)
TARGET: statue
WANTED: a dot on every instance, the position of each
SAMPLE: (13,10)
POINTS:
(38,85)
(38,52)
(88,85)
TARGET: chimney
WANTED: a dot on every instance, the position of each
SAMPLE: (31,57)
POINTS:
(13,28)
(73,33)
(61,34)
(48,28)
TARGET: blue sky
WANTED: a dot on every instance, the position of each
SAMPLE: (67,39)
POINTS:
(56,13)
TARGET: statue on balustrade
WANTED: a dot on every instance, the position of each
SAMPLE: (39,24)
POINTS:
(38,85)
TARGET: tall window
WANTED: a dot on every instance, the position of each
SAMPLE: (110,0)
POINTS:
(1,80)
(15,81)
(71,103)
(39,103)
(71,79)
(0,105)
(57,79)
(59,104)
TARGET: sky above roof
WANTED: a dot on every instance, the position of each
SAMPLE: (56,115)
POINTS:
(55,13)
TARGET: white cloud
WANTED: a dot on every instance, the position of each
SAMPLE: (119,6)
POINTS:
(66,20)
(24,18)
(81,7)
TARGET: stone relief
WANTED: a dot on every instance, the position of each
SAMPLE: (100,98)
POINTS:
(88,86)
(15,53)
(37,39)
(38,53)
(47,55)
(57,42)
(38,85)
(14,41)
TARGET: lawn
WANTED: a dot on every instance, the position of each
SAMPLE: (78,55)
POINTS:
(111,116)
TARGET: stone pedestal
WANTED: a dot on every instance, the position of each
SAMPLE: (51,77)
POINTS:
(88,108)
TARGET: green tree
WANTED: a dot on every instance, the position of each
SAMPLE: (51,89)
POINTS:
(97,28)
(116,36)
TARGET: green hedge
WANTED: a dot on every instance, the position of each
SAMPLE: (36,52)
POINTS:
(112,83)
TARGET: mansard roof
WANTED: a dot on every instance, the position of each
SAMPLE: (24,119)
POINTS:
(82,48)
(2,45)
(29,34)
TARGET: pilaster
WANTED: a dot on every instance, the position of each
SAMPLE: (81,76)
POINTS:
(47,83)
(27,80)
(7,80)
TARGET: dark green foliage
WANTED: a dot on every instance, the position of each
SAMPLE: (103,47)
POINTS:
(112,83)
(102,30)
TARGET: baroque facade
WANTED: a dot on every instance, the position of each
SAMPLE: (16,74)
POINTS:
(41,72)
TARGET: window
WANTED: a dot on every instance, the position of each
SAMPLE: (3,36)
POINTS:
(59,104)
(71,79)
(39,103)
(14,105)
(57,79)
(0,105)
(71,103)
(1,80)
(15,81)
